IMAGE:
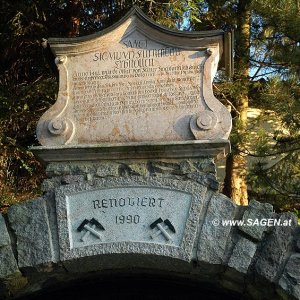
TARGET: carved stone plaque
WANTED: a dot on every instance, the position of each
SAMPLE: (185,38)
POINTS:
(136,82)
(126,214)
(121,214)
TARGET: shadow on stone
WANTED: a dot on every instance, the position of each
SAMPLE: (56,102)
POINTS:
(137,286)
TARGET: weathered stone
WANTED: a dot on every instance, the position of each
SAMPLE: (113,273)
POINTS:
(211,181)
(51,184)
(4,236)
(298,244)
(186,167)
(106,151)
(69,172)
(107,169)
(149,81)
(56,169)
(71,179)
(256,212)
(276,248)
(242,255)
(290,280)
(30,223)
(8,264)
(139,168)
(126,208)
(50,202)
(165,167)
(207,166)
(213,236)
(208,180)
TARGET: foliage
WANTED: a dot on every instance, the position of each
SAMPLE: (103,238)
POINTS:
(279,36)
(272,86)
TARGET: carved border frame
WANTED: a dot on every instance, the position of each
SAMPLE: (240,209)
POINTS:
(183,252)
(214,122)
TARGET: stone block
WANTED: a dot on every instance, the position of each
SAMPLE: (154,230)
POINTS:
(139,168)
(107,169)
(4,236)
(8,264)
(30,224)
(275,248)
(213,236)
(290,280)
(51,184)
(256,212)
(242,255)
(186,167)
(207,166)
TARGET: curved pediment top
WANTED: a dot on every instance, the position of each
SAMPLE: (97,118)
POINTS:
(137,12)
(134,82)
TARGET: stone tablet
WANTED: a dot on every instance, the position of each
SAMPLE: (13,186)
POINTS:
(136,82)
(126,214)
(113,214)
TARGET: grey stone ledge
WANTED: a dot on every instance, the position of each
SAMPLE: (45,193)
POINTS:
(140,150)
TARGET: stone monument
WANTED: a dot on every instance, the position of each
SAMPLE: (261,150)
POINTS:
(130,146)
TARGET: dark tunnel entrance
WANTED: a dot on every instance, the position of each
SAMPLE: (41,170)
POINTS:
(143,287)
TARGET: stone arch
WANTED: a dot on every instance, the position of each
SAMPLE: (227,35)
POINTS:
(247,262)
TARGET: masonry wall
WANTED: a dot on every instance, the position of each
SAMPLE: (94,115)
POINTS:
(255,262)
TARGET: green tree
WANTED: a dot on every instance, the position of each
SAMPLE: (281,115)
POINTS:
(266,77)
(279,38)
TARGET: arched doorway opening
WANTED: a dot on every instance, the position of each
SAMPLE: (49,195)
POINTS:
(133,286)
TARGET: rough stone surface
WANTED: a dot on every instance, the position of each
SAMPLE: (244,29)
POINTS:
(290,280)
(138,168)
(50,184)
(231,257)
(202,171)
(8,264)
(52,217)
(256,211)
(128,255)
(276,248)
(4,236)
(242,255)
(298,243)
(213,236)
(30,224)
(108,169)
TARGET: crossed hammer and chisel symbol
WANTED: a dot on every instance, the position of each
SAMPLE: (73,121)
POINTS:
(159,224)
(90,229)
